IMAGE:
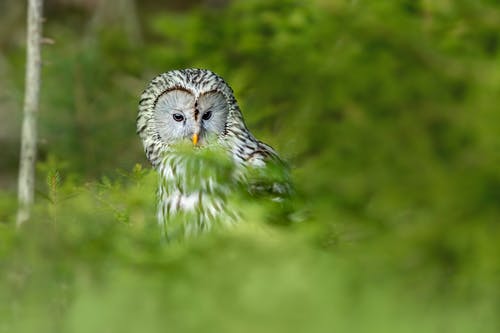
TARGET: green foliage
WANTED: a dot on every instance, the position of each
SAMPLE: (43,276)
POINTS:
(200,165)
(99,264)
(386,112)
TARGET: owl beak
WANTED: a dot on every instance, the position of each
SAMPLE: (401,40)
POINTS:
(195,139)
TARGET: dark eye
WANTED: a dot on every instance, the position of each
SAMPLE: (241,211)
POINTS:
(178,117)
(207,115)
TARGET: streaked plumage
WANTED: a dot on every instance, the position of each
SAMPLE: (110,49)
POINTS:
(197,105)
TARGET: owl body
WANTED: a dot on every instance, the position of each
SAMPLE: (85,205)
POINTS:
(196,107)
(192,195)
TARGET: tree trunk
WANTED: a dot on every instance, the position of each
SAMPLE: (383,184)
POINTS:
(26,185)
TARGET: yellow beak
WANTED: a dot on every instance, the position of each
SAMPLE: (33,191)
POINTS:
(195,139)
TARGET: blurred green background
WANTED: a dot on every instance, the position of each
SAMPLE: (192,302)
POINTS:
(384,109)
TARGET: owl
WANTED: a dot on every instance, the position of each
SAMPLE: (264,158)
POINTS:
(194,135)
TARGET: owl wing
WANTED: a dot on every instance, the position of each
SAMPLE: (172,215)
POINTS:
(268,175)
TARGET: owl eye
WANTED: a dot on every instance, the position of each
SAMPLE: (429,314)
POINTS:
(207,115)
(178,117)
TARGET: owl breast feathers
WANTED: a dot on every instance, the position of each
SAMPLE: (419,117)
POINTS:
(194,135)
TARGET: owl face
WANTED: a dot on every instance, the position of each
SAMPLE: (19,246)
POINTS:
(182,114)
(189,104)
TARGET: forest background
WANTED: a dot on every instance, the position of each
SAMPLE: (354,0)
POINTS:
(385,111)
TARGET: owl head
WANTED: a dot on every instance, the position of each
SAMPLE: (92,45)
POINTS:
(194,105)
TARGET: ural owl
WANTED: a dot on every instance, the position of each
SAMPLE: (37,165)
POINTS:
(196,106)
